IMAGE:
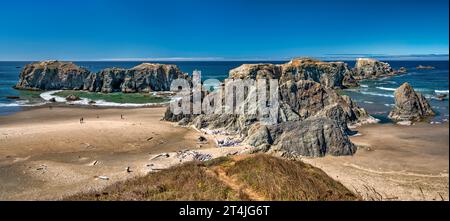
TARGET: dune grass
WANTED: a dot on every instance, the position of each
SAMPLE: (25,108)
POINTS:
(285,180)
(263,176)
(117,97)
(185,182)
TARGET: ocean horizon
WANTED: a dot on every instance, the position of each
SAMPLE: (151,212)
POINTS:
(374,95)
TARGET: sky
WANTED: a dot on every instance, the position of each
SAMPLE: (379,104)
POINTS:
(220,29)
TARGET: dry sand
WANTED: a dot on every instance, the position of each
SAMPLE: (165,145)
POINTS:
(46,154)
(395,163)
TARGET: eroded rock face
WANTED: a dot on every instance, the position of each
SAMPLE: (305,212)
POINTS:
(312,119)
(329,74)
(314,137)
(367,68)
(56,75)
(52,75)
(256,71)
(410,105)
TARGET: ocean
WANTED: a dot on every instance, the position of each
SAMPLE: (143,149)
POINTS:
(376,96)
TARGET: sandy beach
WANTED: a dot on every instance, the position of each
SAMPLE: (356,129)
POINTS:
(394,163)
(46,154)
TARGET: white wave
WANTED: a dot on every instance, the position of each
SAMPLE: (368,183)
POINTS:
(49,95)
(84,101)
(387,88)
(389,105)
(376,94)
(441,91)
(21,103)
(368,102)
(365,86)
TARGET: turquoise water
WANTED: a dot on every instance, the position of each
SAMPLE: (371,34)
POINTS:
(374,95)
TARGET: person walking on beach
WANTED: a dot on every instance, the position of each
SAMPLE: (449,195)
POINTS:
(121,116)
(81,120)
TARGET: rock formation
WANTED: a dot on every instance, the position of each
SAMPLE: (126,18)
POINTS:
(409,105)
(422,67)
(367,68)
(329,74)
(52,75)
(313,137)
(56,75)
(312,119)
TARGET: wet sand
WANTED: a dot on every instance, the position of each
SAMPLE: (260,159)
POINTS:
(395,163)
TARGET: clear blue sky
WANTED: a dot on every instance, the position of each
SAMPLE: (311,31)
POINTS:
(227,29)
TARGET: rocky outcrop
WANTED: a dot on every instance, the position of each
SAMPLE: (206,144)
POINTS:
(73,98)
(56,75)
(313,118)
(422,67)
(52,75)
(410,105)
(315,137)
(329,74)
(367,68)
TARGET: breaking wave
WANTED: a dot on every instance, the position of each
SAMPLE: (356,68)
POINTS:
(84,101)
(387,88)
(376,94)
(441,91)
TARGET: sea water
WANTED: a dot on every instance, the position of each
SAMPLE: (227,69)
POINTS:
(376,96)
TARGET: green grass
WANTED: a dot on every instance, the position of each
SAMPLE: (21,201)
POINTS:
(117,97)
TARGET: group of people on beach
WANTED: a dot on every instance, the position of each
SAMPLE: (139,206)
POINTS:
(82,119)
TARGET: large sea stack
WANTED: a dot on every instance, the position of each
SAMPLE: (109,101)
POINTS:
(313,118)
(57,75)
(410,105)
(367,68)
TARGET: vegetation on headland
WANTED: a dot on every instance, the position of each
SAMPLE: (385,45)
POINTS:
(117,97)
(254,177)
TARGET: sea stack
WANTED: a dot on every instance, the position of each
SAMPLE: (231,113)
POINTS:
(52,75)
(57,75)
(410,105)
(367,68)
(313,118)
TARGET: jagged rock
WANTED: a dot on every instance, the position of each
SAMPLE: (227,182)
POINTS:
(422,67)
(72,98)
(56,75)
(349,81)
(259,135)
(329,74)
(367,68)
(52,75)
(309,98)
(441,97)
(315,137)
(402,70)
(410,105)
(313,118)
(256,71)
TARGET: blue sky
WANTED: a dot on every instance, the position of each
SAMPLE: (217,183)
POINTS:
(219,29)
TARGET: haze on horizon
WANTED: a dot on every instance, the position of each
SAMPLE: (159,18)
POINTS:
(222,30)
